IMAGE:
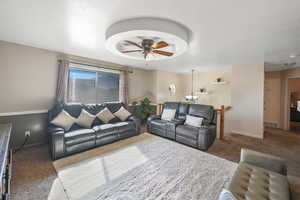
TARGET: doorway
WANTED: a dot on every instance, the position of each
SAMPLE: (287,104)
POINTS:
(294,104)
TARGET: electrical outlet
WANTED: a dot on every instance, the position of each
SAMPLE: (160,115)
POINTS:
(27,133)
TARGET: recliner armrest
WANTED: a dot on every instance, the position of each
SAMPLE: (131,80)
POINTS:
(206,136)
(137,122)
(269,162)
(177,122)
(152,117)
(57,141)
(53,129)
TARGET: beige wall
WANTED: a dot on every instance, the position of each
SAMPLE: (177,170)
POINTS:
(217,94)
(247,90)
(27,78)
(141,85)
(272,97)
(162,82)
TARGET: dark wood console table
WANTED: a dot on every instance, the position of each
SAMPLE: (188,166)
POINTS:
(5,161)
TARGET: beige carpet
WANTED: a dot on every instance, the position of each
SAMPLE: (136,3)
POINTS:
(144,167)
(34,176)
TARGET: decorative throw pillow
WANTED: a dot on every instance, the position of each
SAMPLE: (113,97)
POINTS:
(168,114)
(105,115)
(122,114)
(193,121)
(64,120)
(226,195)
(85,119)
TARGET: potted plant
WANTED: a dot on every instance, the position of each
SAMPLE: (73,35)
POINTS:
(219,80)
(143,110)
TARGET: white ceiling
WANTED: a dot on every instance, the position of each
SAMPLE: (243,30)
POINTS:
(223,33)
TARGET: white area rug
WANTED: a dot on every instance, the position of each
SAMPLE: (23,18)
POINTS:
(144,167)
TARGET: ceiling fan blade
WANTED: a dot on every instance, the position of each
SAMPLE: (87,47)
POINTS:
(133,43)
(164,53)
(159,45)
(131,51)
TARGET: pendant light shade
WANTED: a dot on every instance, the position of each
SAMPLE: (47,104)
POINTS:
(192,97)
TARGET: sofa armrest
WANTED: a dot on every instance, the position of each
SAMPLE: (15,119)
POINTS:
(262,160)
(177,122)
(149,119)
(53,129)
(171,125)
(57,141)
(137,123)
(206,136)
(152,117)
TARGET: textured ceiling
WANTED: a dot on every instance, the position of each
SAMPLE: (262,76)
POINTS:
(222,33)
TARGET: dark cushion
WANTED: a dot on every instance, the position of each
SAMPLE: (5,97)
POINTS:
(171,105)
(205,111)
(182,111)
(187,131)
(79,136)
(73,109)
(54,111)
(94,109)
(114,107)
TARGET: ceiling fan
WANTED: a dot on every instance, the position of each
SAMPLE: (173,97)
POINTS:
(148,46)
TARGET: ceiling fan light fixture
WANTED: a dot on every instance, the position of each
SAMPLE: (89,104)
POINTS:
(293,56)
(140,37)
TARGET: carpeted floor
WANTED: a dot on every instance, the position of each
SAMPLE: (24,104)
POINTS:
(34,176)
(144,167)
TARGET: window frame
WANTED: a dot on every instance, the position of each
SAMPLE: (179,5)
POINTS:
(90,68)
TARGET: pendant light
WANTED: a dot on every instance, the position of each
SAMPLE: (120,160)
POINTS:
(191,97)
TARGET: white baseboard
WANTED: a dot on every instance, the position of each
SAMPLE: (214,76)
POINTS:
(248,134)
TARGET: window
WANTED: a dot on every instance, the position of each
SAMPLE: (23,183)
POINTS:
(93,85)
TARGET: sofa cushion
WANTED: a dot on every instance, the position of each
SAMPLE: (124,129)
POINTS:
(105,115)
(124,126)
(64,120)
(158,123)
(74,109)
(85,119)
(79,136)
(253,183)
(204,111)
(79,132)
(105,130)
(122,114)
(171,105)
(187,131)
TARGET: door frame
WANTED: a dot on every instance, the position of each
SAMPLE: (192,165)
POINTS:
(287,97)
